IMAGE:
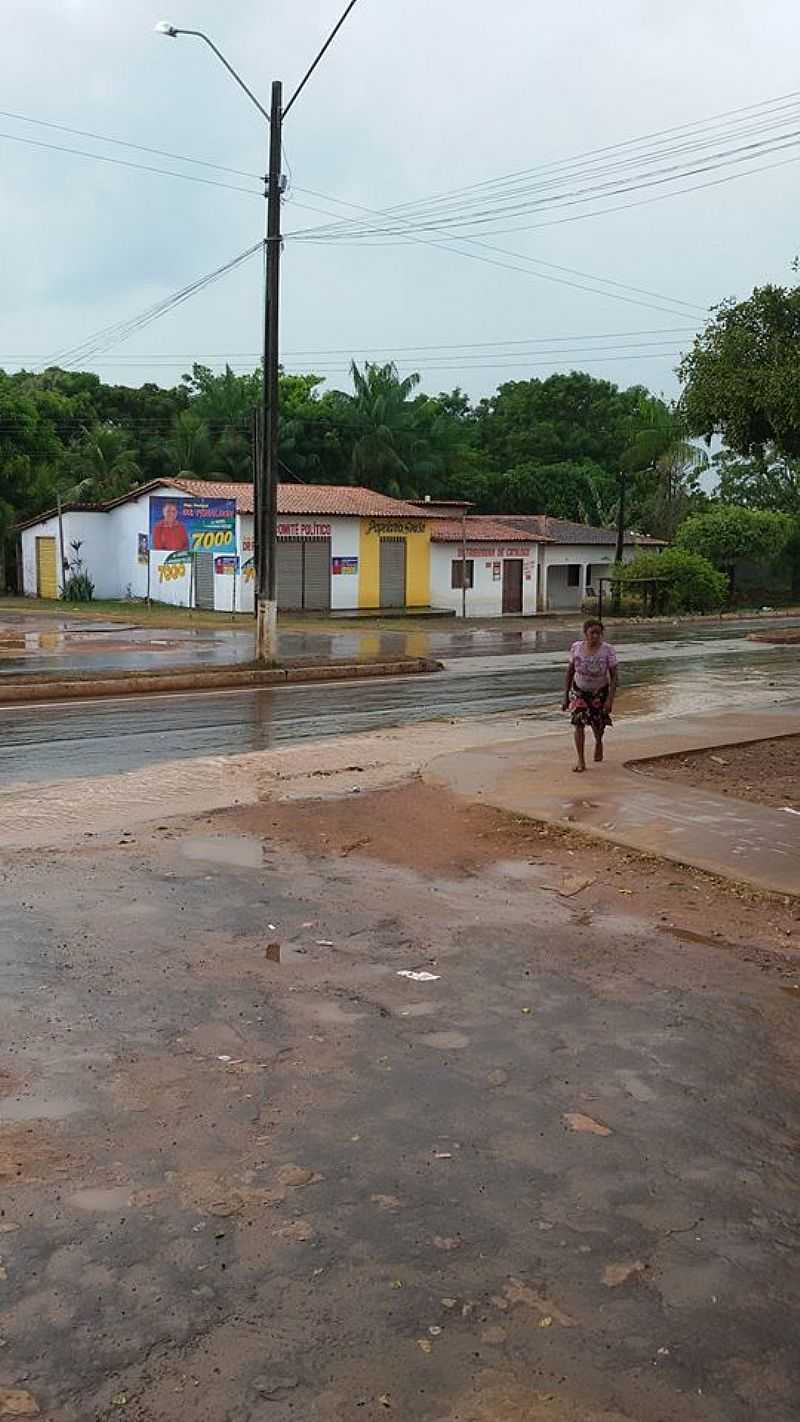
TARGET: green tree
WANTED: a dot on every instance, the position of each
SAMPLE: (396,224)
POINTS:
(560,419)
(741,378)
(665,467)
(571,490)
(104,462)
(727,535)
(766,480)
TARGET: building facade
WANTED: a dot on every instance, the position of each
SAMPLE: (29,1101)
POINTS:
(339,548)
(190,543)
(481,567)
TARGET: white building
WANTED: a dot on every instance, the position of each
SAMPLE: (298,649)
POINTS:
(574,557)
(502,567)
(342,548)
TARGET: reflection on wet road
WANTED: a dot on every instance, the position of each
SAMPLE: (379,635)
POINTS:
(30,645)
(103,737)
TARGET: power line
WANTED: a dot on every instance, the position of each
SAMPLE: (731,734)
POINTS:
(123,143)
(389,349)
(419,222)
(122,330)
(475,256)
(584,159)
(128,163)
(329,41)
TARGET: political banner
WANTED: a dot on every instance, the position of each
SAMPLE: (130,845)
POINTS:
(187,525)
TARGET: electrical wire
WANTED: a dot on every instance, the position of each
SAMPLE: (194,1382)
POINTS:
(665,309)
(121,330)
(123,143)
(548,174)
(390,351)
(329,41)
(128,163)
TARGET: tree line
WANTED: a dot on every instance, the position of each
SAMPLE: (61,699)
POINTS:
(566,444)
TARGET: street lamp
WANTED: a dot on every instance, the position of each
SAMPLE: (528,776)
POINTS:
(266,480)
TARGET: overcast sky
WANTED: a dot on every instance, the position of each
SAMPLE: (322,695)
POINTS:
(415,97)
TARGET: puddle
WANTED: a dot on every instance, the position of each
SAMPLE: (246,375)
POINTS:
(445,1041)
(101,1201)
(333,1013)
(238,850)
(707,939)
(420,1009)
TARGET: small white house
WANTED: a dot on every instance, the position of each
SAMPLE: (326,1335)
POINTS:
(190,543)
(574,557)
(481,567)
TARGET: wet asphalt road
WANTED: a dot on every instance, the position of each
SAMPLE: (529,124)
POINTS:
(30,645)
(665,676)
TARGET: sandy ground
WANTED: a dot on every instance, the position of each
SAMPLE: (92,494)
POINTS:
(252,1174)
(767,772)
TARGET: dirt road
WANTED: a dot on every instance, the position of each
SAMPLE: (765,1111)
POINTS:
(556,1180)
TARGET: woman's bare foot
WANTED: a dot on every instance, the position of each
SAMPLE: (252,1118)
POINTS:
(578,769)
(598,751)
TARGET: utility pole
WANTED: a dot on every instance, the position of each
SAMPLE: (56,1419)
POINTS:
(623,488)
(266,499)
(266,462)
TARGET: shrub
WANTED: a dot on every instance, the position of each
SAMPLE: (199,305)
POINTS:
(691,583)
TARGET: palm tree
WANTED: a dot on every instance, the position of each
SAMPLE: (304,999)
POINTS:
(384,418)
(105,461)
(658,446)
(189,446)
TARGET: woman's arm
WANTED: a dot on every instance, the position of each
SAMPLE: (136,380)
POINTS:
(612,690)
(568,680)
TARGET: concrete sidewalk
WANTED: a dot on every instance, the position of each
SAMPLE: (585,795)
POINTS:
(618,801)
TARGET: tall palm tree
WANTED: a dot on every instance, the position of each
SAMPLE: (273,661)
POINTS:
(189,445)
(658,446)
(385,425)
(104,461)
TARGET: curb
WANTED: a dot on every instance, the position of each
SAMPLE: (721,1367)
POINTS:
(136,684)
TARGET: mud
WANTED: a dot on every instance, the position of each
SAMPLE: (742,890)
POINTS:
(283,1178)
(766,772)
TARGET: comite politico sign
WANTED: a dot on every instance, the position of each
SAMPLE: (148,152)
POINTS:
(190,525)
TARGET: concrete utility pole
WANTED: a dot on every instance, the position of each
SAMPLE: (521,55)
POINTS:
(267,464)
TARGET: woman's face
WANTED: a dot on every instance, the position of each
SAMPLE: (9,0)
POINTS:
(594,637)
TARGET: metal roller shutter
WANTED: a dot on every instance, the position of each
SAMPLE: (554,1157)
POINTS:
(290,573)
(393,572)
(204,581)
(317,574)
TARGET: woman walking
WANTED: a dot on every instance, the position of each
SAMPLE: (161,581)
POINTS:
(589,689)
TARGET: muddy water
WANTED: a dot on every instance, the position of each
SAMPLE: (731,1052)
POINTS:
(233,850)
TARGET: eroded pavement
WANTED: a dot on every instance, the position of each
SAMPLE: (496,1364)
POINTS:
(555,1181)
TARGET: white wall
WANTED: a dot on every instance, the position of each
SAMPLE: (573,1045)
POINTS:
(48,528)
(91,530)
(595,560)
(485,597)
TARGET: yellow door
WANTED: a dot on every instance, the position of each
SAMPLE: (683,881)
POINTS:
(46,579)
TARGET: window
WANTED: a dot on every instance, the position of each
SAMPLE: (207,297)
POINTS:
(456,573)
(573,575)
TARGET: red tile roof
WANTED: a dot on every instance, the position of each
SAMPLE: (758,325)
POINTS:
(481,528)
(332,499)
